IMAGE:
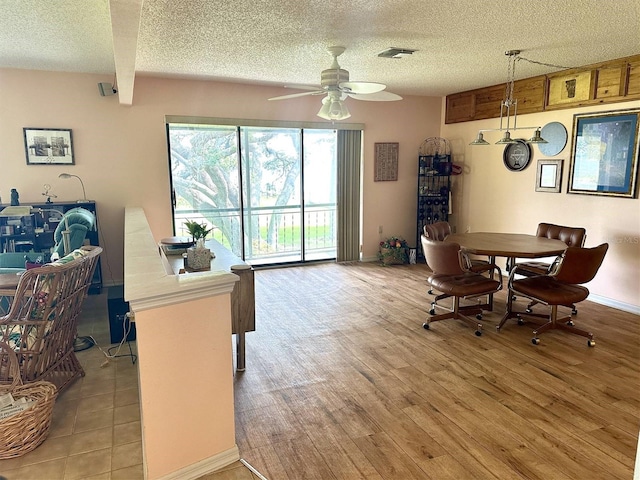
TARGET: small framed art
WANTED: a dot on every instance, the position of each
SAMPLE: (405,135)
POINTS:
(549,176)
(48,146)
(386,162)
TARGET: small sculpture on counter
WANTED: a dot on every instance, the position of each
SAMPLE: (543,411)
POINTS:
(46,193)
(15,197)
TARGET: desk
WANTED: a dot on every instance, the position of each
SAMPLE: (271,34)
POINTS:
(8,286)
(243,312)
(8,283)
(510,245)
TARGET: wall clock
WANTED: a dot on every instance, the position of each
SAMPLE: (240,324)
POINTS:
(517,155)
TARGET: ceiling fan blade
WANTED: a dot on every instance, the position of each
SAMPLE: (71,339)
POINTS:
(304,87)
(362,87)
(295,95)
(376,97)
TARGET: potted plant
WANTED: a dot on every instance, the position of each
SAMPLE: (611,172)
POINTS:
(393,251)
(198,256)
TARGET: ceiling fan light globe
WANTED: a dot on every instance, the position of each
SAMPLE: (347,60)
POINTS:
(335,109)
(324,111)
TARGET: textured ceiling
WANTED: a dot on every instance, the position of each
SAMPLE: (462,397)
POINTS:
(460,43)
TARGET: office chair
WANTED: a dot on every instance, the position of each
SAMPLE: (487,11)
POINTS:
(563,287)
(438,232)
(452,276)
(572,236)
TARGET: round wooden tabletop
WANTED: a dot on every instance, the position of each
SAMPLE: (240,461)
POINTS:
(507,244)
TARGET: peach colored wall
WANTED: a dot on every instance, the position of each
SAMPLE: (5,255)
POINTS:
(174,382)
(121,152)
(488,197)
(122,157)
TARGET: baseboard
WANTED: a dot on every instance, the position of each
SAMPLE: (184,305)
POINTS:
(206,466)
(610,302)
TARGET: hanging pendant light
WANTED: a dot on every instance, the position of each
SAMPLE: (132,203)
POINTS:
(479,140)
(506,139)
(537,138)
(509,109)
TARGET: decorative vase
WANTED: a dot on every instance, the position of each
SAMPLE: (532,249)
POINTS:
(199,257)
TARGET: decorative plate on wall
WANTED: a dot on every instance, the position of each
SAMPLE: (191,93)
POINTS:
(517,155)
(556,136)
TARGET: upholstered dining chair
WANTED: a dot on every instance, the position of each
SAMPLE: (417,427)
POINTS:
(439,231)
(572,236)
(452,276)
(562,287)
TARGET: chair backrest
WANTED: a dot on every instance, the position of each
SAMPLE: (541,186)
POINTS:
(79,221)
(437,231)
(443,258)
(580,265)
(572,236)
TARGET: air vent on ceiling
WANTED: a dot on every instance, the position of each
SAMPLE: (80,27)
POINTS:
(394,52)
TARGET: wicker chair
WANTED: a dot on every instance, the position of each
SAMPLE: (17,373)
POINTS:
(43,317)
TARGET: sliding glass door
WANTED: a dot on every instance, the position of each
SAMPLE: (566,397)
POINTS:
(269,193)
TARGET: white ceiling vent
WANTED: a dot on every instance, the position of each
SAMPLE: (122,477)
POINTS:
(394,52)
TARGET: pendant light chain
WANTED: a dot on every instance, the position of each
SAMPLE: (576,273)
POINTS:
(550,65)
(511,76)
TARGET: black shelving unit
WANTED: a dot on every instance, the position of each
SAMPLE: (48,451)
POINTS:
(434,184)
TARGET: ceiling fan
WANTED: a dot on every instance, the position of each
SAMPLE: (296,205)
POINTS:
(335,84)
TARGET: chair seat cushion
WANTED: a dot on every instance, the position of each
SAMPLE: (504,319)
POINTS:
(549,290)
(463,285)
(532,268)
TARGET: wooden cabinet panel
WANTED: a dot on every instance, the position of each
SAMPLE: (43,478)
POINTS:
(530,93)
(633,80)
(611,81)
(607,82)
(460,107)
(488,102)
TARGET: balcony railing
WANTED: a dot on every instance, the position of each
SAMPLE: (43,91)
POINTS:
(275,231)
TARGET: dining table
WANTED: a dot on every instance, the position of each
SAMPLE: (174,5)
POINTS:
(509,245)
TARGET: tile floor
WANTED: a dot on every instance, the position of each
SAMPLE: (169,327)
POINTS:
(95,429)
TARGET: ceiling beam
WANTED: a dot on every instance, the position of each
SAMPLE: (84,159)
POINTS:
(125,26)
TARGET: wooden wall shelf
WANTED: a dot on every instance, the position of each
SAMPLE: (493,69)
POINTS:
(608,82)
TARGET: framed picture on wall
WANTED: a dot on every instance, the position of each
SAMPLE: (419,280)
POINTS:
(386,162)
(48,146)
(549,176)
(604,153)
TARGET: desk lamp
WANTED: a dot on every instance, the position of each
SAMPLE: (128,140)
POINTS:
(84,194)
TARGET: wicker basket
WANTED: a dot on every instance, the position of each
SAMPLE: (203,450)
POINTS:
(393,256)
(24,431)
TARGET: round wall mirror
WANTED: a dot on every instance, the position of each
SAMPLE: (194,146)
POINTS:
(556,136)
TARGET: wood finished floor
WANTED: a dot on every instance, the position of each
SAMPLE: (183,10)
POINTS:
(342,382)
